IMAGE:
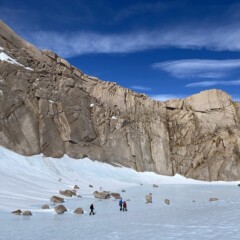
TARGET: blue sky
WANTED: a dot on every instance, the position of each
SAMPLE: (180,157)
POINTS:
(165,49)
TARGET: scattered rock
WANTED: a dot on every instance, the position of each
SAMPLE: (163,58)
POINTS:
(213,199)
(116,195)
(91,186)
(155,185)
(79,211)
(45,206)
(148,198)
(56,199)
(193,201)
(17,212)
(67,193)
(123,190)
(27,213)
(76,187)
(60,209)
(167,201)
(101,195)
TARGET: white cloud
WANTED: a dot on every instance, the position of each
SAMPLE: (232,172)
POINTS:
(165,97)
(199,68)
(140,88)
(214,83)
(69,44)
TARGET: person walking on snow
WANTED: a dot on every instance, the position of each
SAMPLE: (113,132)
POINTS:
(92,208)
(124,206)
(120,204)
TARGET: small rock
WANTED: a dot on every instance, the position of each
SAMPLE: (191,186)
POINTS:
(76,187)
(27,213)
(116,195)
(45,206)
(56,199)
(91,186)
(193,201)
(155,185)
(79,211)
(17,212)
(167,201)
(60,209)
(213,199)
(148,198)
(123,190)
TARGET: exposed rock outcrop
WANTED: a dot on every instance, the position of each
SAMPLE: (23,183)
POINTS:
(48,106)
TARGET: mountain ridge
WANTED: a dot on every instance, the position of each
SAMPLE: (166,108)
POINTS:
(50,107)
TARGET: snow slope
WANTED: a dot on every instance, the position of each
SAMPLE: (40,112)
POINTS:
(29,182)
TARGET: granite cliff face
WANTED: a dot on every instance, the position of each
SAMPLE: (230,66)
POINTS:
(48,106)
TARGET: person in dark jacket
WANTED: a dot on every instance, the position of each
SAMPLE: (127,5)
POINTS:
(124,206)
(120,204)
(92,208)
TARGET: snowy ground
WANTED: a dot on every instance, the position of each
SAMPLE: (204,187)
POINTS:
(29,182)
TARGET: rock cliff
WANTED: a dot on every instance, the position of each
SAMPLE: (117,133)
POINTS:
(48,106)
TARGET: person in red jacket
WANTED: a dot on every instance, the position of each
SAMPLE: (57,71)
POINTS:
(124,206)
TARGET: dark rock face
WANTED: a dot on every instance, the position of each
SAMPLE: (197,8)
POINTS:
(48,106)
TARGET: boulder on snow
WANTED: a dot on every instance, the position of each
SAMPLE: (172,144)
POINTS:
(167,201)
(17,212)
(60,209)
(148,198)
(27,213)
(67,193)
(76,187)
(45,206)
(213,199)
(101,195)
(56,199)
(91,186)
(155,185)
(116,195)
(79,211)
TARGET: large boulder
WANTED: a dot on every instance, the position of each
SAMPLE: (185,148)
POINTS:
(60,209)
(27,213)
(79,211)
(101,195)
(67,193)
(116,195)
(56,199)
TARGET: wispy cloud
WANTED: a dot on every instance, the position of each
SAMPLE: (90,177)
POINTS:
(214,83)
(165,97)
(140,88)
(140,8)
(199,68)
(69,44)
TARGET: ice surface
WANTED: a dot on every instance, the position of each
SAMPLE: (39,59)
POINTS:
(29,182)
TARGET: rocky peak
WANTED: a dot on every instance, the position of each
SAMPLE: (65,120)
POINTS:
(48,106)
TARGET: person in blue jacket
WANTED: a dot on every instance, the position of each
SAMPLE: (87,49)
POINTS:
(120,204)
